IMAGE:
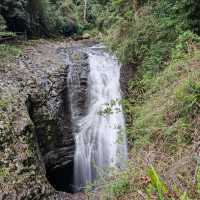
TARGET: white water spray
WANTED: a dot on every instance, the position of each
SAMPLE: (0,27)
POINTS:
(100,140)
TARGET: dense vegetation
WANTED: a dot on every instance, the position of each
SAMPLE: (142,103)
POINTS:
(40,17)
(160,38)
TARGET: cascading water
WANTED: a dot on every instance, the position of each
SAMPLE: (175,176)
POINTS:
(99,135)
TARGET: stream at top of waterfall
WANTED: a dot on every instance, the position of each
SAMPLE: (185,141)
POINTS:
(100,139)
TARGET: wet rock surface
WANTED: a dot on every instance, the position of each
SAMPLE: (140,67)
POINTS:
(35,123)
(127,73)
(77,81)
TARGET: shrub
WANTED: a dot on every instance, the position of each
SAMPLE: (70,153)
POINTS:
(39,17)
(189,97)
(156,183)
(186,43)
(188,12)
(198,177)
(118,187)
(7,50)
(3,172)
(130,39)
(14,12)
(158,188)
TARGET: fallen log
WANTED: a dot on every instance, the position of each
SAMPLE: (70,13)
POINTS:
(5,39)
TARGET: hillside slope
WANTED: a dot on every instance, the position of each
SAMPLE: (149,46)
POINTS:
(160,41)
(163,133)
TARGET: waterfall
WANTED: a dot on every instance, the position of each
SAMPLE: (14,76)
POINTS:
(99,135)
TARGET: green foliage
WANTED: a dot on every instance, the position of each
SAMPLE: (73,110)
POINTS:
(159,187)
(164,98)
(14,12)
(184,196)
(134,44)
(3,27)
(188,12)
(150,115)
(7,51)
(6,34)
(3,104)
(50,16)
(118,187)
(198,179)
(3,172)
(189,96)
(157,183)
(186,43)
(47,18)
(127,30)
(131,40)
(39,13)
(64,18)
(40,17)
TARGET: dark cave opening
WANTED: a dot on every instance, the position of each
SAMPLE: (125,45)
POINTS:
(55,152)
(61,178)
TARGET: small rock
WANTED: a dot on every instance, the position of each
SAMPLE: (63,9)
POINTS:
(86,36)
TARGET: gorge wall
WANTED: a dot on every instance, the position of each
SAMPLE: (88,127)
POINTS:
(53,119)
(37,145)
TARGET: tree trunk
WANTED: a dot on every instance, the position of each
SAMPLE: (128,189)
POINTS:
(85,11)
(136,4)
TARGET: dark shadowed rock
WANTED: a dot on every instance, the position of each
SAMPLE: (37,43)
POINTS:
(127,74)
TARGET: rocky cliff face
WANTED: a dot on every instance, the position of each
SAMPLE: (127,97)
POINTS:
(37,144)
(52,114)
